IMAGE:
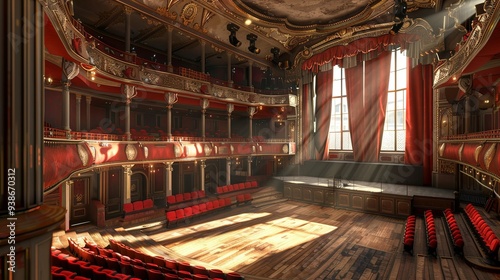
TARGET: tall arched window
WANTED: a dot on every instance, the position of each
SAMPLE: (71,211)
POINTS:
(393,139)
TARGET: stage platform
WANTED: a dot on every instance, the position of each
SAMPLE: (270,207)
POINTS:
(382,198)
(370,186)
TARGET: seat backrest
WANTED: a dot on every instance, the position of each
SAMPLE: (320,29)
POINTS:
(138,205)
(148,203)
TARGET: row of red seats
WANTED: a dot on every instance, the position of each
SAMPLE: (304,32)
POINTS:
(182,214)
(409,234)
(454,231)
(243,198)
(185,197)
(65,266)
(483,232)
(109,264)
(137,206)
(236,187)
(183,269)
(430,230)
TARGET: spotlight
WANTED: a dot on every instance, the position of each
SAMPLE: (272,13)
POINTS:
(232,37)
(399,10)
(276,53)
(252,48)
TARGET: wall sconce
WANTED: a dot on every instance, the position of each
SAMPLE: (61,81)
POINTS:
(252,48)
(232,37)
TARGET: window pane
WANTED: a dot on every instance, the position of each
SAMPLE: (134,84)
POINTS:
(334,142)
(401,59)
(401,79)
(388,141)
(392,83)
(347,145)
(401,140)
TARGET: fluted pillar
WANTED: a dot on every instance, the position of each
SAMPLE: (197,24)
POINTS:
(128,12)
(204,105)
(88,99)
(249,168)
(127,174)
(230,109)
(171,99)
(229,70)
(250,75)
(24,218)
(129,92)
(170,29)
(203,55)
(66,201)
(228,171)
(70,70)
(202,174)
(168,177)
(78,111)
(251,112)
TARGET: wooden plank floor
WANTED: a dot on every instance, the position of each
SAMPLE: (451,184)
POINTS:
(294,240)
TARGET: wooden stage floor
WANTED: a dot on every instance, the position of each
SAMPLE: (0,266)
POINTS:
(295,240)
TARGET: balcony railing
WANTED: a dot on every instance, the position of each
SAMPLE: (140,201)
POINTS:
(489,134)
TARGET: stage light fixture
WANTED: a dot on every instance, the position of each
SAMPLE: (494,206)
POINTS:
(399,10)
(232,37)
(252,48)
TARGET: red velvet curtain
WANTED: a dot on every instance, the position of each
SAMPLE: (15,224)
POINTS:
(418,149)
(361,46)
(323,113)
(307,124)
(367,100)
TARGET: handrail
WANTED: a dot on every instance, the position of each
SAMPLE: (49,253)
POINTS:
(50,132)
(488,134)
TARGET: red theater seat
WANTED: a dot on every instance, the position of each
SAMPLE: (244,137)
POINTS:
(179,197)
(128,207)
(148,203)
(138,205)
(171,199)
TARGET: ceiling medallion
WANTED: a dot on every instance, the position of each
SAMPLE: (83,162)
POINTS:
(189,13)
(130,151)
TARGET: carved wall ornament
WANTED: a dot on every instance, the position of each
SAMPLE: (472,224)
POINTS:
(177,151)
(92,151)
(83,154)
(489,155)
(441,149)
(477,151)
(460,151)
(131,152)
(189,13)
(207,149)
(146,151)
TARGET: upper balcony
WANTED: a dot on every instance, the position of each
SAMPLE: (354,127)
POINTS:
(123,67)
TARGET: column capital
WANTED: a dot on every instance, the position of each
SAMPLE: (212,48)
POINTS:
(128,91)
(127,10)
(204,103)
(252,111)
(88,99)
(171,98)
(78,97)
(230,108)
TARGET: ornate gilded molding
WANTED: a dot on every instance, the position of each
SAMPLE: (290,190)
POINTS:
(130,152)
(83,154)
(130,73)
(478,37)
(488,156)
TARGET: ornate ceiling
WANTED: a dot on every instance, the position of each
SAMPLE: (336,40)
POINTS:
(291,26)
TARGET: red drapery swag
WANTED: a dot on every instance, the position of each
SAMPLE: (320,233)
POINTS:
(361,46)
(307,125)
(367,100)
(418,147)
(323,113)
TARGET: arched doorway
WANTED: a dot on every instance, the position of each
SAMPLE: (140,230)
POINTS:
(138,187)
